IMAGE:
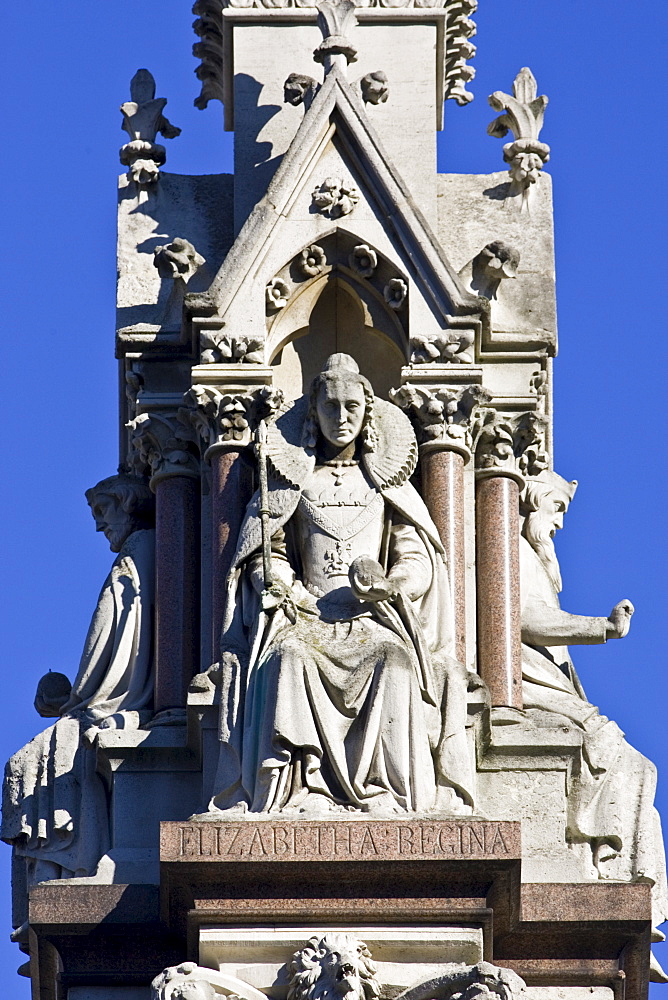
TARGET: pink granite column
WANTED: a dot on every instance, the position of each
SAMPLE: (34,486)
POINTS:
(443,491)
(177,588)
(498,588)
(231,489)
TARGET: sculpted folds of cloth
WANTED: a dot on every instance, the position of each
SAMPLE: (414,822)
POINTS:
(611,786)
(54,809)
(339,686)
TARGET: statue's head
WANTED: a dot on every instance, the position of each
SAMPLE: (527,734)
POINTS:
(545,500)
(341,404)
(333,967)
(120,505)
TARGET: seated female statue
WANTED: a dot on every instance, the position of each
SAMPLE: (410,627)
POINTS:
(339,689)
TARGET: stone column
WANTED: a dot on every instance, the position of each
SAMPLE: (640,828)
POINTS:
(443,490)
(224,410)
(441,416)
(166,445)
(498,485)
(231,489)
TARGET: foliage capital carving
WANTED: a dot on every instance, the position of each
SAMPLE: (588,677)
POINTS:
(442,417)
(163,445)
(510,445)
(228,419)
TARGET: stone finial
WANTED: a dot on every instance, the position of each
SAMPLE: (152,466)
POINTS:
(142,120)
(374,87)
(163,445)
(522,115)
(335,19)
(299,89)
(177,260)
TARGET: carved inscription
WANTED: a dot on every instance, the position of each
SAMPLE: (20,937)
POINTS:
(269,841)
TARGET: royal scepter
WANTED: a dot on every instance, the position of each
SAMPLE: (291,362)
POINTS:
(261,451)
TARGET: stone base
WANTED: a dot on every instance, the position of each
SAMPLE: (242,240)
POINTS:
(240,897)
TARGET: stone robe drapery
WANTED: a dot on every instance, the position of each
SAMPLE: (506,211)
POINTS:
(54,804)
(343,701)
(611,785)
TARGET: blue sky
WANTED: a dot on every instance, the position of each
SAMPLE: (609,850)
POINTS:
(65,69)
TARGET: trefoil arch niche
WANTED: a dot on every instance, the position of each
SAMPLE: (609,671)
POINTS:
(336,301)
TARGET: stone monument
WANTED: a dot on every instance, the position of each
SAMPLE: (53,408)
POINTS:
(326,740)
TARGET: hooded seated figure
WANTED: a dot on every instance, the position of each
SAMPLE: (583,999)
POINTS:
(611,785)
(54,807)
(339,689)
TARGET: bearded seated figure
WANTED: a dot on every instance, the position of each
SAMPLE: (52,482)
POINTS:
(342,691)
(611,785)
(54,803)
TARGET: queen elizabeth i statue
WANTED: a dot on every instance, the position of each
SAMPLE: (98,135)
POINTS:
(339,687)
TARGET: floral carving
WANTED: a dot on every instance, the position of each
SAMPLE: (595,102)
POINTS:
(335,19)
(454,346)
(441,415)
(312,261)
(523,114)
(142,120)
(395,292)
(335,198)
(374,88)
(221,348)
(163,445)
(229,417)
(511,444)
(277,294)
(364,260)
(177,260)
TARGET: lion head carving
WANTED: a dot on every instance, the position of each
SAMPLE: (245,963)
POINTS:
(333,967)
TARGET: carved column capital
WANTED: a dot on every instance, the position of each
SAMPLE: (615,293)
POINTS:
(164,445)
(226,419)
(511,445)
(442,416)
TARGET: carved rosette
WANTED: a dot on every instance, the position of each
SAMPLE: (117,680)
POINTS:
(511,445)
(228,419)
(442,418)
(163,445)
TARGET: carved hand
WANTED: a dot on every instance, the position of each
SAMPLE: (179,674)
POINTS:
(620,620)
(368,580)
(278,597)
